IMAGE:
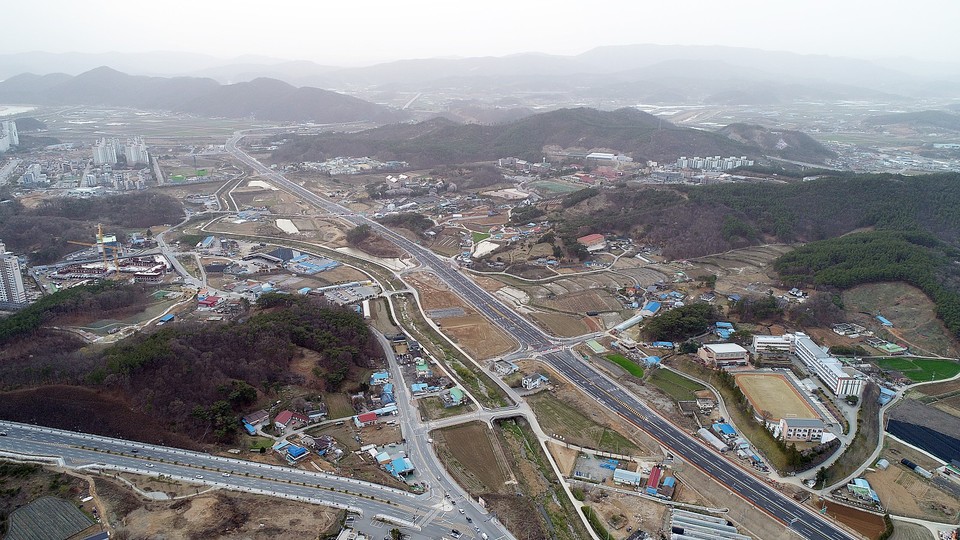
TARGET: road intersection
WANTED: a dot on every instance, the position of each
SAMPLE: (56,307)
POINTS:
(796,517)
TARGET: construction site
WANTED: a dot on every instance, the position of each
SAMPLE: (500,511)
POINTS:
(107,259)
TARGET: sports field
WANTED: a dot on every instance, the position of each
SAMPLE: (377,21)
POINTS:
(773,393)
(922,369)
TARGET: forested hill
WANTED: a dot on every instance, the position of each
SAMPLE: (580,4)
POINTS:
(192,378)
(691,221)
(440,141)
(914,257)
(43,232)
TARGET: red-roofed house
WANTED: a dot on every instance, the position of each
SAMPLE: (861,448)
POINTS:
(593,242)
(208,302)
(365,419)
(300,418)
(283,420)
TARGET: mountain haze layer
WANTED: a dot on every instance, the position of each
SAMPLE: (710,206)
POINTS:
(263,99)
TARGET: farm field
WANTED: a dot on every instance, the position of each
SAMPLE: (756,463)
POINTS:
(561,325)
(774,394)
(582,301)
(551,187)
(911,312)
(629,365)
(740,271)
(922,369)
(870,525)
(904,492)
(675,385)
(469,454)
(559,418)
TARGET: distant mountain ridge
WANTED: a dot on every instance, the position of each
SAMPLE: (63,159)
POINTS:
(441,141)
(652,73)
(263,99)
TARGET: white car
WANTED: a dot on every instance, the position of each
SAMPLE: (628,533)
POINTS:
(199,476)
(226,474)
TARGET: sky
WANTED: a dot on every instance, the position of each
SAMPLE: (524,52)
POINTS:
(361,32)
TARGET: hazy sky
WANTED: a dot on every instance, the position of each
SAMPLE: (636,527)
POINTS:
(351,32)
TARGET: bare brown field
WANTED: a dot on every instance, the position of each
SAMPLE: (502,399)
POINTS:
(478,336)
(740,271)
(474,332)
(904,492)
(565,457)
(774,394)
(476,464)
(939,389)
(584,301)
(218,515)
(870,525)
(949,405)
(562,325)
(909,531)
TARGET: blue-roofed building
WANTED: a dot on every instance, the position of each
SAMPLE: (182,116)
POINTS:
(886,395)
(650,308)
(662,344)
(734,298)
(206,242)
(399,467)
(652,360)
(250,429)
(295,452)
(724,333)
(166,318)
(305,290)
(386,397)
(722,324)
(379,377)
(725,430)
(884,321)
(419,388)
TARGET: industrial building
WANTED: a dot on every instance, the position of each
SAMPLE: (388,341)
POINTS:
(723,355)
(842,381)
(11,280)
(593,242)
(693,526)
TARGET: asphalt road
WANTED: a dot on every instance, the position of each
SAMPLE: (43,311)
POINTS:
(431,512)
(804,522)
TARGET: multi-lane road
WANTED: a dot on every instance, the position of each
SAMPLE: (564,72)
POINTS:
(794,516)
(431,514)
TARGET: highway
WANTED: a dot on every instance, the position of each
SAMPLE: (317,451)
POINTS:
(806,523)
(79,450)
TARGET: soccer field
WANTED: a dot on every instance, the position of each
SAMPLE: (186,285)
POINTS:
(774,394)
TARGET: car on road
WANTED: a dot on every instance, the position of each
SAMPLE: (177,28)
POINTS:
(455,533)
(149,465)
(469,519)
(3,433)
(226,474)
(461,511)
(199,476)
